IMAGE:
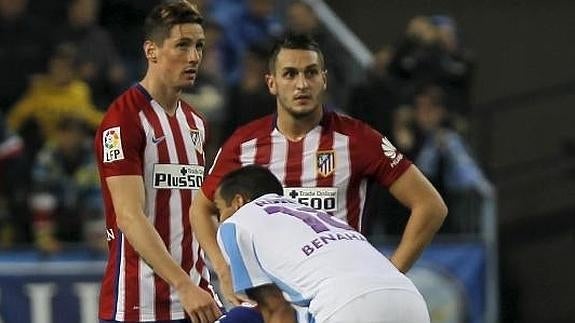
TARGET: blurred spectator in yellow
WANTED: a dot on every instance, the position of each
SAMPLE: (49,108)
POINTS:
(98,62)
(65,198)
(50,97)
(24,46)
(11,148)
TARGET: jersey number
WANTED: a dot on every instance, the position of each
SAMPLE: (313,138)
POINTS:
(318,220)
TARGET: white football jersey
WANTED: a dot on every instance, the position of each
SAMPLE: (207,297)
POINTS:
(317,260)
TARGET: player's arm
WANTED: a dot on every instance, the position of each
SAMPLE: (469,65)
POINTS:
(204,227)
(272,304)
(428,210)
(127,192)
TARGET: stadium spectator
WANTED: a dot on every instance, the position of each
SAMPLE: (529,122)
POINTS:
(301,19)
(65,198)
(374,100)
(250,24)
(49,98)
(321,157)
(457,66)
(97,60)
(280,250)
(417,57)
(25,44)
(11,149)
(443,156)
(249,99)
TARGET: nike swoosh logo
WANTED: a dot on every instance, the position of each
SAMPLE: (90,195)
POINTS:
(157,140)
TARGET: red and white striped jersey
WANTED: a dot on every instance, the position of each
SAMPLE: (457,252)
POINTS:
(137,137)
(328,169)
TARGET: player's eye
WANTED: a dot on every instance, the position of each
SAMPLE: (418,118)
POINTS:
(290,74)
(311,72)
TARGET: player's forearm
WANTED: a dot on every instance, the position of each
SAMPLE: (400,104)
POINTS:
(205,231)
(144,238)
(420,229)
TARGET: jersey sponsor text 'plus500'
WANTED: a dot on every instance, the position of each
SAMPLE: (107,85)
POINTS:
(174,176)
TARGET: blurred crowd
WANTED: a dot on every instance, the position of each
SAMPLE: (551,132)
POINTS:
(66,60)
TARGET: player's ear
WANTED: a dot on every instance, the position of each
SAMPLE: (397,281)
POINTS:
(324,76)
(238,201)
(271,83)
(150,50)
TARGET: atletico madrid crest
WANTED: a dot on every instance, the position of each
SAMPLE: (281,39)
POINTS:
(197,140)
(325,161)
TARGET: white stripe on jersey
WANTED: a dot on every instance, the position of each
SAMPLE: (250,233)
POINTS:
(150,154)
(247,152)
(342,173)
(120,305)
(362,197)
(309,167)
(146,282)
(175,202)
(278,155)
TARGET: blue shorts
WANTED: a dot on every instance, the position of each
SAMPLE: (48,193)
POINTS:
(242,314)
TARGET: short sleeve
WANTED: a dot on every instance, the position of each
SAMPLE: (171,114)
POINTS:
(237,247)
(379,157)
(120,143)
(226,160)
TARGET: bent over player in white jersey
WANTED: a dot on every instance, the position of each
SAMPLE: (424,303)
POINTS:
(322,158)
(279,249)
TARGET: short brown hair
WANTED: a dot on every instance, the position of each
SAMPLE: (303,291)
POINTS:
(295,41)
(166,15)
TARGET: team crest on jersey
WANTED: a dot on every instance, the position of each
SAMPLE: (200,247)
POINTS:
(325,161)
(112,143)
(197,140)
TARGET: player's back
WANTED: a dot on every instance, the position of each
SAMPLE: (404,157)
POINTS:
(317,260)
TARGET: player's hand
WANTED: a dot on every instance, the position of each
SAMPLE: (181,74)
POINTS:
(226,288)
(199,304)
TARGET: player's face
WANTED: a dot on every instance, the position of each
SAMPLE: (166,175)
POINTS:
(180,55)
(224,209)
(298,82)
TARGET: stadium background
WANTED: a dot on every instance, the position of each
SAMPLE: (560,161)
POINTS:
(521,128)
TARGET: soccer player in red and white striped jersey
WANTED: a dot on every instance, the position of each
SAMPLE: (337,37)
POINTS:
(150,155)
(323,159)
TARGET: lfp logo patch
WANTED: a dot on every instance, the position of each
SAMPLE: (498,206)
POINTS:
(112,141)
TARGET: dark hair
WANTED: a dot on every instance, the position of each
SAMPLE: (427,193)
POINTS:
(295,41)
(166,15)
(251,182)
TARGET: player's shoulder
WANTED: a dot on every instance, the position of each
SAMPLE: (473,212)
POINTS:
(130,101)
(347,125)
(124,110)
(254,129)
